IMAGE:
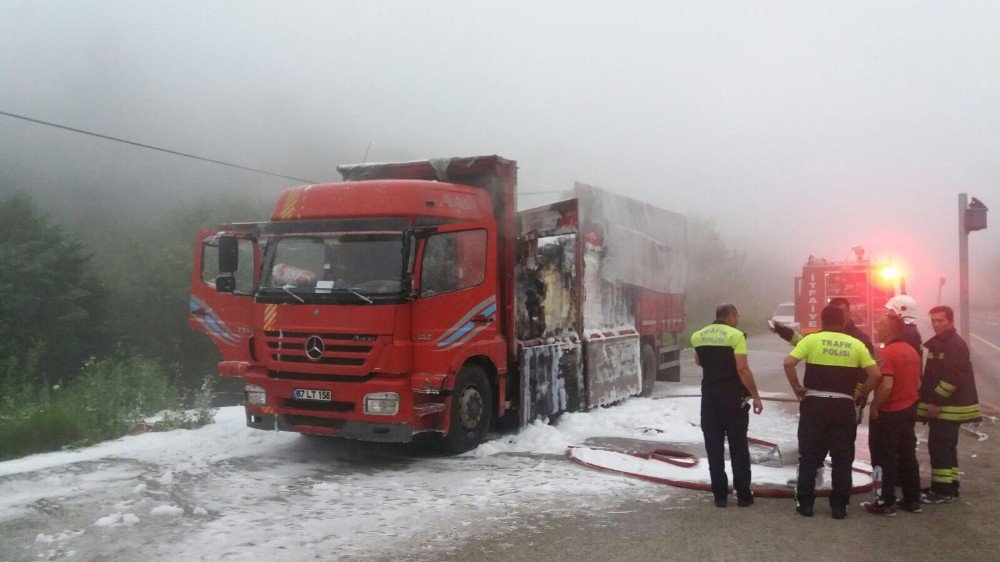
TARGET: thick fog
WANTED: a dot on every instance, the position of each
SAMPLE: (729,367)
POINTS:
(799,129)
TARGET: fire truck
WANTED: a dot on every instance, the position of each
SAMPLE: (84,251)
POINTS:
(866,284)
(412,298)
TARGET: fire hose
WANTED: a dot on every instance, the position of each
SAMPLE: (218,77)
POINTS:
(684,459)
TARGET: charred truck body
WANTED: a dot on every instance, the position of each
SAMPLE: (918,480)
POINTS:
(413,298)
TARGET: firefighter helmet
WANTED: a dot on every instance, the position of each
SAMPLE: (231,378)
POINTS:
(903,306)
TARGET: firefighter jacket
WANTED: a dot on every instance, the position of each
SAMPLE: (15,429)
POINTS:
(948,380)
(717,346)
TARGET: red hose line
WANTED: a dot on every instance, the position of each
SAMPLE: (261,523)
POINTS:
(758,491)
(671,456)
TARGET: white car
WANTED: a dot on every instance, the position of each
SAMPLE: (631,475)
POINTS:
(785,313)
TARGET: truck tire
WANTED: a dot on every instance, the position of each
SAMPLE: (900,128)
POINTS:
(471,410)
(648,361)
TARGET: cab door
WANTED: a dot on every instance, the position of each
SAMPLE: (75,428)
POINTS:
(455,314)
(224,317)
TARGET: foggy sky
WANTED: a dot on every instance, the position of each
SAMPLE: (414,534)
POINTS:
(799,128)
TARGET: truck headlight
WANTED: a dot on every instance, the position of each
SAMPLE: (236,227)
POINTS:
(382,403)
(255,395)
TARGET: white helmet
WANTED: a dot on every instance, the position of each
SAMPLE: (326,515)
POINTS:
(903,306)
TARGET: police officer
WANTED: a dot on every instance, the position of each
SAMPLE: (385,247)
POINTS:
(727,386)
(948,398)
(827,416)
(850,328)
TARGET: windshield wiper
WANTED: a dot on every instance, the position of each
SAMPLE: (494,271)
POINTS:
(286,289)
(357,294)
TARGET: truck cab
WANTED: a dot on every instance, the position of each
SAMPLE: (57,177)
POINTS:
(357,308)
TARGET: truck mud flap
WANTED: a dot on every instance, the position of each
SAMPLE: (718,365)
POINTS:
(551,379)
(613,369)
(668,368)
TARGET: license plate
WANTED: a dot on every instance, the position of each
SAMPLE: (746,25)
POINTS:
(311,394)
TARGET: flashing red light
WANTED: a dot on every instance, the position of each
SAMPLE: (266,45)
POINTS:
(889,273)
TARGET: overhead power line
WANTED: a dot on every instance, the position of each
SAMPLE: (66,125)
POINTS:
(150,147)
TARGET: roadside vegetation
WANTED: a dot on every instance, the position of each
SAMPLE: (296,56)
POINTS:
(93,327)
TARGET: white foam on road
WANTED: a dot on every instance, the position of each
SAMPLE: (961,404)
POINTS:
(227,491)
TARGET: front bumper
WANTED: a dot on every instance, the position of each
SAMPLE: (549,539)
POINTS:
(335,427)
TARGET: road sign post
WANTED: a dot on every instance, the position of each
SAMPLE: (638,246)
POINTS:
(971,217)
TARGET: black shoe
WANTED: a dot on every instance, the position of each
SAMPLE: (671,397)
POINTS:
(912,507)
(882,509)
(839,512)
(804,510)
(932,497)
(721,502)
(745,502)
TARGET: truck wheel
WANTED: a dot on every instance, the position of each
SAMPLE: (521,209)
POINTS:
(471,410)
(648,358)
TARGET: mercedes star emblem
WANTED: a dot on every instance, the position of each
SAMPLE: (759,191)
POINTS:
(314,348)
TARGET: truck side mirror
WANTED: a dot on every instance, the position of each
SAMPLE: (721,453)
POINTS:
(229,254)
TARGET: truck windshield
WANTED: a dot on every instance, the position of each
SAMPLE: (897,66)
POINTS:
(334,266)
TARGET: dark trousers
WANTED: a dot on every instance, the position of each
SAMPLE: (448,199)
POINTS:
(942,444)
(893,446)
(723,416)
(826,425)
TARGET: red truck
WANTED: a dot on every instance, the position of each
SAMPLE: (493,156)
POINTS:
(413,298)
(866,284)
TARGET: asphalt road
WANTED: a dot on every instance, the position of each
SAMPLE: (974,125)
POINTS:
(985,345)
(689,527)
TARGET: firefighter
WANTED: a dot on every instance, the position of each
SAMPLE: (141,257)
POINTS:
(948,399)
(727,387)
(905,307)
(827,415)
(891,438)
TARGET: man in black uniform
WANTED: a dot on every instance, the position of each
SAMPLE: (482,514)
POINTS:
(948,398)
(726,387)
(827,418)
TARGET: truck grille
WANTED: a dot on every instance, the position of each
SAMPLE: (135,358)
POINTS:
(284,357)
(331,349)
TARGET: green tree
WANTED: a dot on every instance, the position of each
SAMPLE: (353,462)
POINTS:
(51,305)
(147,263)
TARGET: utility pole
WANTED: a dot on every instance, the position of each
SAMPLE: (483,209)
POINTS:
(971,217)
